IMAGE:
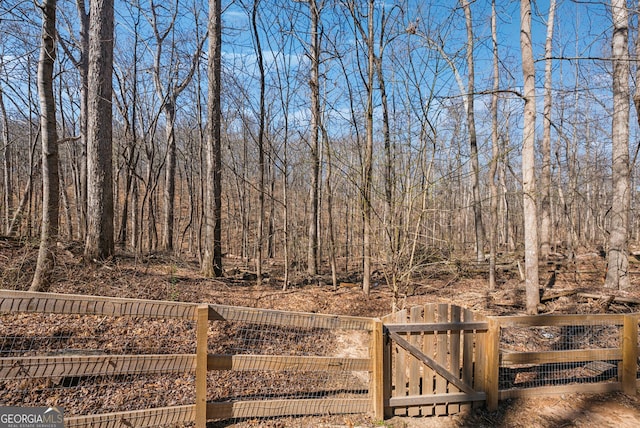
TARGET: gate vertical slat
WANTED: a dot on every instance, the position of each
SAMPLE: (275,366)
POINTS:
(454,352)
(429,348)
(480,360)
(442,356)
(388,358)
(492,364)
(414,365)
(467,354)
(401,366)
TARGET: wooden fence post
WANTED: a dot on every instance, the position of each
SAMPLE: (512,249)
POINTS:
(377,369)
(386,375)
(202,329)
(629,354)
(492,361)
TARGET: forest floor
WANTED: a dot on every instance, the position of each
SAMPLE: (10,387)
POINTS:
(571,287)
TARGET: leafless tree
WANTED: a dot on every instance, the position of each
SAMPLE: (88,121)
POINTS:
(212,259)
(81,62)
(545,173)
(126,98)
(49,139)
(314,144)
(260,140)
(528,161)
(618,256)
(100,240)
(367,36)
(6,163)
(168,88)
(473,139)
(495,152)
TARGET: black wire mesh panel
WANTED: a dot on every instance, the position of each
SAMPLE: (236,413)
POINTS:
(545,356)
(269,366)
(90,364)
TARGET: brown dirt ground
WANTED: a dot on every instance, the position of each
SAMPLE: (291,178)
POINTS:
(161,276)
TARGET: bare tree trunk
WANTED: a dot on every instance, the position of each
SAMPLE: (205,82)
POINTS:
(244,197)
(212,259)
(284,86)
(368,157)
(6,173)
(261,130)
(66,206)
(393,224)
(271,227)
(131,135)
(314,194)
(507,229)
(495,152)
(169,194)
(135,215)
(26,196)
(147,205)
(545,176)
(29,195)
(100,240)
(84,117)
(473,140)
(82,64)
(131,161)
(618,261)
(636,103)
(198,232)
(528,161)
(330,225)
(64,200)
(285,208)
(49,140)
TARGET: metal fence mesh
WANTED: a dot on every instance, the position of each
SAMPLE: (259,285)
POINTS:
(577,354)
(278,374)
(284,358)
(29,377)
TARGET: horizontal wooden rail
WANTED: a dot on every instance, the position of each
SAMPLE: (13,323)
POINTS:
(280,362)
(94,365)
(438,326)
(581,388)
(135,418)
(275,408)
(422,400)
(24,301)
(569,356)
(288,319)
(560,320)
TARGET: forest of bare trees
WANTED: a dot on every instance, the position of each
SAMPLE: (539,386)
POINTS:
(358,138)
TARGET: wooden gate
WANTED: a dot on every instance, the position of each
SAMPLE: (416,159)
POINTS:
(434,358)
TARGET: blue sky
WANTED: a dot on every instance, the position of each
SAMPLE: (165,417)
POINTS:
(582,30)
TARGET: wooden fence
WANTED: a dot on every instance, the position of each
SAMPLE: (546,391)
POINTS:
(610,359)
(441,358)
(428,360)
(199,363)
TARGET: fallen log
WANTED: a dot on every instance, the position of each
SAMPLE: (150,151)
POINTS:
(557,295)
(616,299)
